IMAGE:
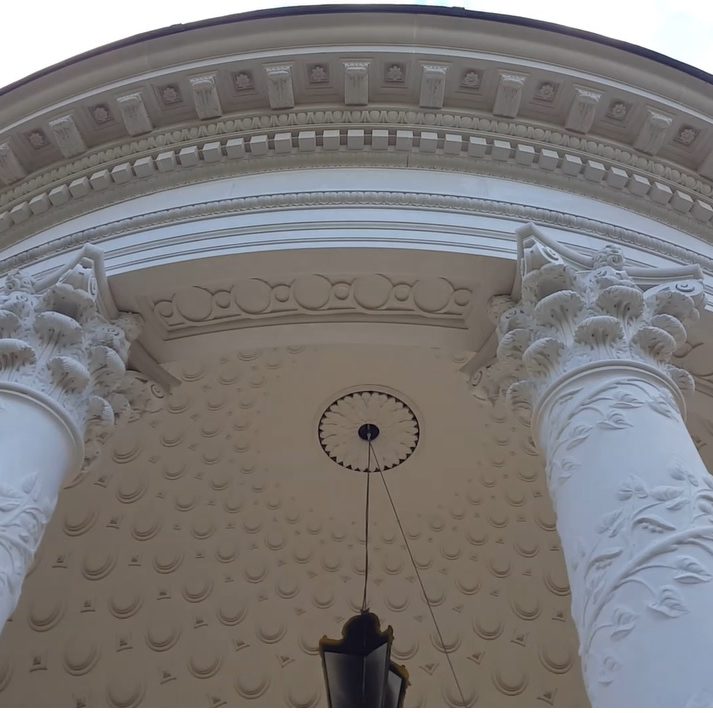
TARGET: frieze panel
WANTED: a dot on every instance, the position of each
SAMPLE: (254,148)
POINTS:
(312,297)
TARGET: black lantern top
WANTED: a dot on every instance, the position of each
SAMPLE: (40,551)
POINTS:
(357,668)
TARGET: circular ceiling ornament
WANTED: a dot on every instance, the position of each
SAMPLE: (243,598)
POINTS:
(348,423)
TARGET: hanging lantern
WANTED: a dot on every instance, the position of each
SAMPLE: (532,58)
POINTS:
(358,670)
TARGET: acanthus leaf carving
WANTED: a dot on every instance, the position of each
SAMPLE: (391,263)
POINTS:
(59,339)
(576,310)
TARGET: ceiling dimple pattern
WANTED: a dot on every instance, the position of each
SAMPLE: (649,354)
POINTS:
(216,543)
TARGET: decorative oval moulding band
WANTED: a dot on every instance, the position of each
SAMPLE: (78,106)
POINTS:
(396,425)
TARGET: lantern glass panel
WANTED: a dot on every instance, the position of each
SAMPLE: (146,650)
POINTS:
(396,683)
(357,679)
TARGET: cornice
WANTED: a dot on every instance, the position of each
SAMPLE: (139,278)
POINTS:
(497,99)
(516,151)
(392,117)
(295,13)
(382,199)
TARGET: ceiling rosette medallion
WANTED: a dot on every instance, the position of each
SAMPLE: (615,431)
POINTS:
(398,429)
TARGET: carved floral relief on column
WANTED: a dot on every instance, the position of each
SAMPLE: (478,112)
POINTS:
(634,562)
(24,514)
(584,356)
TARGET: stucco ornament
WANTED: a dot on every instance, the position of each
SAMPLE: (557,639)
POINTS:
(397,424)
(64,388)
(57,338)
(583,356)
(576,310)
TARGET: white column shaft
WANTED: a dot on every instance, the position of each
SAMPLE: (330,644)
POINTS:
(634,508)
(39,451)
(63,389)
(585,354)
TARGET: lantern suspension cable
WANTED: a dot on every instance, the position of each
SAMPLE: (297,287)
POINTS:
(358,670)
(418,575)
(366,518)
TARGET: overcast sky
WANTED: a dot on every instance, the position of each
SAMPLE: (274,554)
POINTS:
(44,32)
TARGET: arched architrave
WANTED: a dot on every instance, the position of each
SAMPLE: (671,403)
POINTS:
(293,251)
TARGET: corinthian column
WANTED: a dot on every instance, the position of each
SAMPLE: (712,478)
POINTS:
(63,389)
(584,356)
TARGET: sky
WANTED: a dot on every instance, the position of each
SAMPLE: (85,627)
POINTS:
(44,32)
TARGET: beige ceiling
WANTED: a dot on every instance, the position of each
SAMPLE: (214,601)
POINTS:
(217,542)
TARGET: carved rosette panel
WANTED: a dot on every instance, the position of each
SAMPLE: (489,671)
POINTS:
(340,423)
(215,544)
(55,338)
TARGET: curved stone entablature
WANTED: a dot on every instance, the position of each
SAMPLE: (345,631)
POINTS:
(600,120)
(194,155)
(399,200)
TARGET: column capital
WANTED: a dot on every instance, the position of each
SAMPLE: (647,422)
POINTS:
(570,310)
(64,342)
